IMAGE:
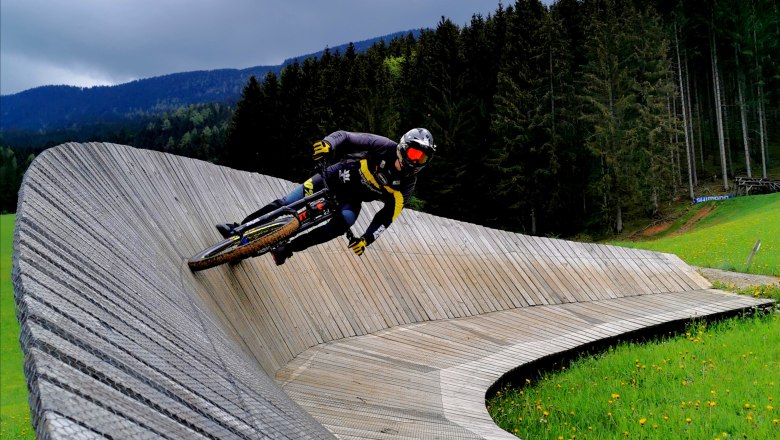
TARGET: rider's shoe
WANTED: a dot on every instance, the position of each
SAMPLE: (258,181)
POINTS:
(280,254)
(226,229)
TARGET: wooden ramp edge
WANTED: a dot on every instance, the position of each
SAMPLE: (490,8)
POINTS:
(121,339)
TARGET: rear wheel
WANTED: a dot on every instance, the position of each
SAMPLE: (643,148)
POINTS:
(254,241)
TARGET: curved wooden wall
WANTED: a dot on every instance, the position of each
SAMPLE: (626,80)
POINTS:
(114,322)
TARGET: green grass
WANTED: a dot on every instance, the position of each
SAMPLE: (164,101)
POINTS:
(716,381)
(14,410)
(725,238)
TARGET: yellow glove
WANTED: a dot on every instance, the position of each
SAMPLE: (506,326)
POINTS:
(321,149)
(358,245)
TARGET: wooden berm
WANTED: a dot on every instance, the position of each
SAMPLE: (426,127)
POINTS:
(121,340)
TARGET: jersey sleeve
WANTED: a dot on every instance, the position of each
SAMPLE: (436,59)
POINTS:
(348,142)
(394,202)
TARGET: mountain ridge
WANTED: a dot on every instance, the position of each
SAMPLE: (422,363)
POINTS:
(51,107)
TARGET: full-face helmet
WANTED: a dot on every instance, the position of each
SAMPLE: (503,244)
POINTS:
(416,149)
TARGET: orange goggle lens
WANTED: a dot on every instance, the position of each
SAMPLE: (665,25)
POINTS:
(416,155)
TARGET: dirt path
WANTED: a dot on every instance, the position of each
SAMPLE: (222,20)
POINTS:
(740,280)
(662,226)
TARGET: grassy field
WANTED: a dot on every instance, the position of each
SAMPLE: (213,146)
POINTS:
(14,411)
(716,381)
(719,381)
(722,235)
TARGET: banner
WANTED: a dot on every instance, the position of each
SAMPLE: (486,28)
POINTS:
(711,198)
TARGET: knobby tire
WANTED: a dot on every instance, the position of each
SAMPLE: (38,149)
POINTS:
(260,239)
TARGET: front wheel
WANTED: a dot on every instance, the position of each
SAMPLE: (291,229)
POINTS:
(254,241)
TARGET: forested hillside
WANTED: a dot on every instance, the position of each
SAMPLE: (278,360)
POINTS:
(562,120)
(57,107)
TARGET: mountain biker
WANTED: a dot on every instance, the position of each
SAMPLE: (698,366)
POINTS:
(369,167)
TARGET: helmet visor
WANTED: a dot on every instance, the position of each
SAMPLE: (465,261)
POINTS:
(416,155)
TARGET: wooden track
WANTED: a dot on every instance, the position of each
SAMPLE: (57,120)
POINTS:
(121,338)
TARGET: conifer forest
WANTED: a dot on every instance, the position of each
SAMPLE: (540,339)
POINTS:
(566,119)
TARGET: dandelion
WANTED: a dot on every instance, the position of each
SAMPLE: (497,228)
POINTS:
(770,407)
(688,420)
(711,404)
(642,421)
(615,396)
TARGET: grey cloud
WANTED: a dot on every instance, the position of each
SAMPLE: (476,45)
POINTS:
(118,40)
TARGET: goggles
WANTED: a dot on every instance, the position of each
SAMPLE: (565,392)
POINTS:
(416,155)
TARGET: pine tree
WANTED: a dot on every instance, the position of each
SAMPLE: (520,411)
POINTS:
(244,140)
(611,107)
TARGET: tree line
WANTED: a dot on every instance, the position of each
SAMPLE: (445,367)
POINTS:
(563,120)
(549,120)
(197,131)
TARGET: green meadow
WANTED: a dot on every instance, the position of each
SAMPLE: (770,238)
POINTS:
(14,410)
(725,237)
(716,381)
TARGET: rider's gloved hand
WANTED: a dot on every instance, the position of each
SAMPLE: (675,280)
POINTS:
(321,149)
(358,245)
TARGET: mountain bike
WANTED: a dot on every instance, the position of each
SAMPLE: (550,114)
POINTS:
(271,230)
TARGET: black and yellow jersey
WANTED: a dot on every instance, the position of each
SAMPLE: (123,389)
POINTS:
(366,172)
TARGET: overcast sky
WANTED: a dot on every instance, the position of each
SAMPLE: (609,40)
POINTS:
(102,42)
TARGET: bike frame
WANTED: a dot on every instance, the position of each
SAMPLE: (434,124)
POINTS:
(311,210)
